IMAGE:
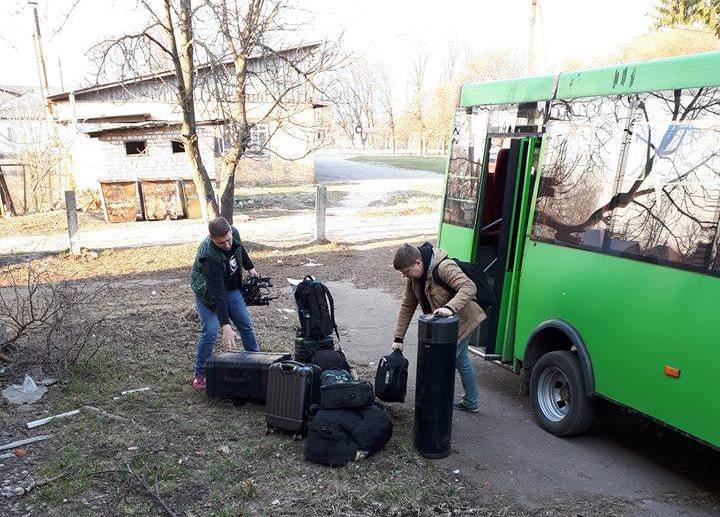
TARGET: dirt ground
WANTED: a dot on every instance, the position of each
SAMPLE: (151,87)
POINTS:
(201,457)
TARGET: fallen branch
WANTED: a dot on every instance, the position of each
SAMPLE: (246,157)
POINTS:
(15,445)
(153,493)
(37,484)
(136,390)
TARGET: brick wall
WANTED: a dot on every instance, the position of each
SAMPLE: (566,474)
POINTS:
(158,161)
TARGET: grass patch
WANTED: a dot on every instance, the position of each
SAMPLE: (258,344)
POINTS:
(419,163)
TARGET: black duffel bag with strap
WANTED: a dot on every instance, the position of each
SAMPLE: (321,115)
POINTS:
(339,390)
(338,436)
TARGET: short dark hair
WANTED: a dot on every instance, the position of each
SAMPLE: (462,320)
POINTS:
(406,256)
(219,227)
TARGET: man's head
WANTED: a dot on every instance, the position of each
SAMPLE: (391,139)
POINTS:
(221,233)
(408,261)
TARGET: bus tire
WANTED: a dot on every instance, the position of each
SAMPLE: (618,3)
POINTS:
(557,392)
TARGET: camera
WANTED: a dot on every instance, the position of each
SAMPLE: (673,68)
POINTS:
(256,290)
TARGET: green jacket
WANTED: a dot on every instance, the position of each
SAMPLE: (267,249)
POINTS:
(208,250)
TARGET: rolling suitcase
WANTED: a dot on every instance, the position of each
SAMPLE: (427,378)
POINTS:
(292,387)
(305,347)
(240,375)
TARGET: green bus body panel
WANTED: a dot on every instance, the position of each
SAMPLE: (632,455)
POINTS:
(510,91)
(662,74)
(457,241)
(634,318)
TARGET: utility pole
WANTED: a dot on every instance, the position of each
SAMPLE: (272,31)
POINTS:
(530,70)
(40,54)
(70,204)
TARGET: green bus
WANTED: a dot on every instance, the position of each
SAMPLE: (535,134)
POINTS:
(591,199)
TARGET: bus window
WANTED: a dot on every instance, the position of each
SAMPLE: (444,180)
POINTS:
(671,182)
(466,155)
(582,155)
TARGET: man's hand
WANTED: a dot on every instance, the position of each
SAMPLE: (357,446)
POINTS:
(442,312)
(228,337)
(252,272)
(397,346)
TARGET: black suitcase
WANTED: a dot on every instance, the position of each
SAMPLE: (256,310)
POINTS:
(391,377)
(353,394)
(337,436)
(240,375)
(305,348)
(292,388)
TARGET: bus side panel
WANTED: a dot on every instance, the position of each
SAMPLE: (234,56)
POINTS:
(635,318)
(457,241)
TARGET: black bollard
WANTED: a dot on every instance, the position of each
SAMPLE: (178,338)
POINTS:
(435,385)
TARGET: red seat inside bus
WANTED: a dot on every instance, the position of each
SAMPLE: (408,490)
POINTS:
(495,192)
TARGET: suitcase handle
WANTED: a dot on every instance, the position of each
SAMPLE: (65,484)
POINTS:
(289,366)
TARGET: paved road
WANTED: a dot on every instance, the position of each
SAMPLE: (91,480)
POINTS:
(364,184)
(625,457)
(335,168)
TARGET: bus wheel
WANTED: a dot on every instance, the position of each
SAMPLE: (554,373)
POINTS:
(558,396)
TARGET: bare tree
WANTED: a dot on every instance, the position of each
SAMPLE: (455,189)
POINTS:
(418,69)
(256,81)
(356,100)
(50,324)
(385,99)
(166,39)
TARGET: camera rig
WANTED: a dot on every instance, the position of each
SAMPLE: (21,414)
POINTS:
(256,290)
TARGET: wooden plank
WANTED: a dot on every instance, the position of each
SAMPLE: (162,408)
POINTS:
(18,443)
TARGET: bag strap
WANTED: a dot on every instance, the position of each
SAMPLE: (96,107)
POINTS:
(439,281)
(331,302)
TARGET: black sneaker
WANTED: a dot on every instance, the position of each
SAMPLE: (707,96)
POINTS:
(462,407)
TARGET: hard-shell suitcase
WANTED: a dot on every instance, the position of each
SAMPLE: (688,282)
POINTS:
(391,377)
(305,348)
(240,375)
(353,394)
(292,388)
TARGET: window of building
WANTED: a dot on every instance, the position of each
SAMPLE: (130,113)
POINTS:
(177,146)
(136,147)
(258,140)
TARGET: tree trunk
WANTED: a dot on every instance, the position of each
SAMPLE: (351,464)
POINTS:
(182,56)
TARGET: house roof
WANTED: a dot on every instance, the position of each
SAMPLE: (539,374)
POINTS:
(161,75)
(125,126)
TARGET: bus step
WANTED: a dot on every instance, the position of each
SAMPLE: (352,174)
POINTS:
(480,352)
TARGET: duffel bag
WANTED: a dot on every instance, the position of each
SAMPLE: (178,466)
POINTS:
(328,359)
(338,436)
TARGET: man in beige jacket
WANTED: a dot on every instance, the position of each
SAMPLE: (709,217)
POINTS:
(417,264)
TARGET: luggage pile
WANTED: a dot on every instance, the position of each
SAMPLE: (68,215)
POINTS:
(314,394)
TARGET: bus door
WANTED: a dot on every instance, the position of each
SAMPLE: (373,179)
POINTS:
(507,182)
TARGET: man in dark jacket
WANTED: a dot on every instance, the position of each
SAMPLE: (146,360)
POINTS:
(216,277)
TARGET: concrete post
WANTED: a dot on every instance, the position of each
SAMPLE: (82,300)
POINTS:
(320,208)
(71,209)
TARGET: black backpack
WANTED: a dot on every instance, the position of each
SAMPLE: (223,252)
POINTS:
(316,309)
(391,377)
(485,296)
(338,436)
(330,359)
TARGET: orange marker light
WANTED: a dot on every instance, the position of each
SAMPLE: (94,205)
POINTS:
(671,371)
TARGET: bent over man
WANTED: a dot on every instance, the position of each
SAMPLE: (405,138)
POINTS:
(215,279)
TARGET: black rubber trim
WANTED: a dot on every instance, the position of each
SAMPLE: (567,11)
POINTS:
(577,341)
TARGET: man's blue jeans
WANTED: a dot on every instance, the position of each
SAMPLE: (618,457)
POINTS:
(210,325)
(464,366)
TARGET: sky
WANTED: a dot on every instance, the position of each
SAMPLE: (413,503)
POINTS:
(387,30)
